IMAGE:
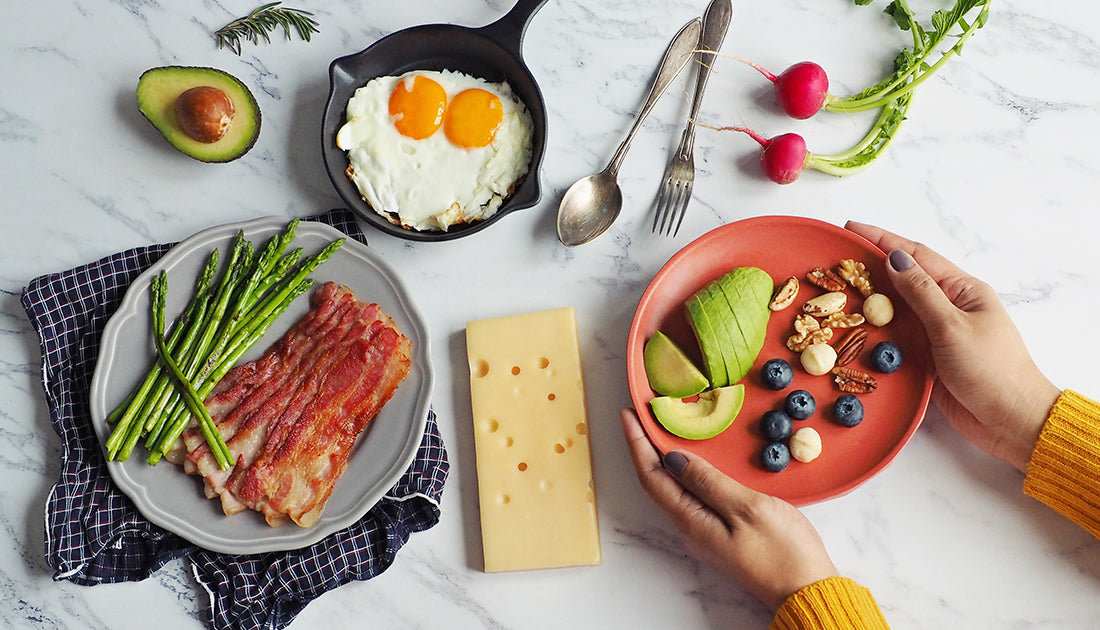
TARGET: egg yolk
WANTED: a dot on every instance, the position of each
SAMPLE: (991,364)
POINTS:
(473,118)
(417,105)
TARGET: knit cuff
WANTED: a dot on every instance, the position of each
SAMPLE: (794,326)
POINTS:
(1064,471)
(835,603)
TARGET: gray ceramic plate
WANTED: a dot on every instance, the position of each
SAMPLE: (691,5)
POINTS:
(174,500)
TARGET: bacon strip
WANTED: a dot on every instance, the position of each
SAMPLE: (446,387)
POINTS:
(292,416)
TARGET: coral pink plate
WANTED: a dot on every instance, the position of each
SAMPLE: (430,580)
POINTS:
(788,246)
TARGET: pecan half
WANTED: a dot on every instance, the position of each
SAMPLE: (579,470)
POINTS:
(826,279)
(853,381)
(850,345)
(784,295)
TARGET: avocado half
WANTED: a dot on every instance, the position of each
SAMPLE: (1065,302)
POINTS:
(158,89)
(712,413)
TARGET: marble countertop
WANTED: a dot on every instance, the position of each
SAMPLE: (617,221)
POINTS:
(995,168)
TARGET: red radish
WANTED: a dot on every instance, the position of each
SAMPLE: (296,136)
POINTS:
(802,90)
(783,157)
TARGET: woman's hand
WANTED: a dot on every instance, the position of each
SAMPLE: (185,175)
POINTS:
(762,542)
(988,387)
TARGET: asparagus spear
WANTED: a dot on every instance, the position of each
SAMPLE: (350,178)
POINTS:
(123,415)
(209,430)
(193,354)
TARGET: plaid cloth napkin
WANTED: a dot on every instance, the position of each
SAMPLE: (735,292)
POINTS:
(95,535)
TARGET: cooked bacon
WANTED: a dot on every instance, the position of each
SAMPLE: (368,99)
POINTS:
(292,416)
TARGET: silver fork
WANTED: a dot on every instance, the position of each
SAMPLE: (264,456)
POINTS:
(679,177)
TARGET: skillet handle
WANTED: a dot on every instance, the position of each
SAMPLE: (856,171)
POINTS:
(508,30)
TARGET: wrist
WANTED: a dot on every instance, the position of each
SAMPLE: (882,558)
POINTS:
(1033,419)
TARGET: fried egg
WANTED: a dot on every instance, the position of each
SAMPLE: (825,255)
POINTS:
(428,150)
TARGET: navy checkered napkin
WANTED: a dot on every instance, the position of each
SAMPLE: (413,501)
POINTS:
(95,535)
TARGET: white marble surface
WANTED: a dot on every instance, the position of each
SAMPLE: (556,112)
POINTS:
(996,168)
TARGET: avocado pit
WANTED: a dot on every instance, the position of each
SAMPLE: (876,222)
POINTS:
(204,113)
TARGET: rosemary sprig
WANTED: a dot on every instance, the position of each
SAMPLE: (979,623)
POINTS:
(261,22)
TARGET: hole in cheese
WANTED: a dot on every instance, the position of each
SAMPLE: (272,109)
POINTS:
(492,425)
(515,370)
(522,466)
(544,363)
(508,441)
(551,396)
(558,448)
(481,369)
(581,428)
(504,499)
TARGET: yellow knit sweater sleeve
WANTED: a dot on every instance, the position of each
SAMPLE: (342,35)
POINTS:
(832,604)
(1064,471)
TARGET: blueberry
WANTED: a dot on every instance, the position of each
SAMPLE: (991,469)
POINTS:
(776,374)
(776,426)
(775,457)
(848,410)
(800,404)
(886,357)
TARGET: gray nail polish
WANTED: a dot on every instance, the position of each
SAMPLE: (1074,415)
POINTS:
(674,462)
(900,260)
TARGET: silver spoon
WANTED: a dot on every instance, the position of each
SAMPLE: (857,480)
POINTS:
(592,204)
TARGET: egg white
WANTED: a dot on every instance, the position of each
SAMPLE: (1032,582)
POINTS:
(431,184)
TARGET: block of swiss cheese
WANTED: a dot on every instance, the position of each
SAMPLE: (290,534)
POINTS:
(534,465)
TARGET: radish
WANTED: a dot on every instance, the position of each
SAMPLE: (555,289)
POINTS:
(803,89)
(785,156)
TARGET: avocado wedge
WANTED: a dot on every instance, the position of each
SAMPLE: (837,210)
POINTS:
(159,89)
(711,414)
(748,291)
(714,364)
(725,329)
(669,370)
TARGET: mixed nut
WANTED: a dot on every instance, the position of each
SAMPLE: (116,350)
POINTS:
(822,319)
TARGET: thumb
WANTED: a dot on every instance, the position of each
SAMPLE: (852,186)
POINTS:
(712,487)
(919,289)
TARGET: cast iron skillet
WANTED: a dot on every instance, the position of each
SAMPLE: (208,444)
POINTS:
(492,52)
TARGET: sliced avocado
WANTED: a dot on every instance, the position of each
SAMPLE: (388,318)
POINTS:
(713,363)
(159,88)
(750,288)
(725,329)
(745,354)
(756,279)
(669,370)
(712,413)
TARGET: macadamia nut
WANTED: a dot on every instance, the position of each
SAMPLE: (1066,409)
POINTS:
(805,445)
(818,359)
(878,310)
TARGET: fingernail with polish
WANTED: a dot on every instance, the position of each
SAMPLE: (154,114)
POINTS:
(900,260)
(674,462)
